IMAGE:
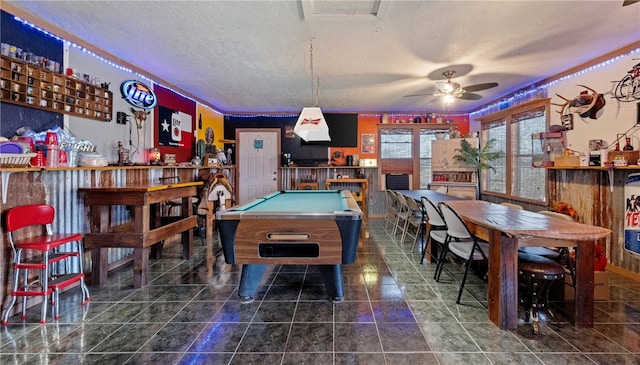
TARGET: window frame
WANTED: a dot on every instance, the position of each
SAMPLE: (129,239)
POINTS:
(506,116)
(411,165)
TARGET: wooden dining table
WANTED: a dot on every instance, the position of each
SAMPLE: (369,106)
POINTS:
(146,228)
(506,229)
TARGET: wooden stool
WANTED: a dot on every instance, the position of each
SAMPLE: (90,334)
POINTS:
(536,275)
(308,186)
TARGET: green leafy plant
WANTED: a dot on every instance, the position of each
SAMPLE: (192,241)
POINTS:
(477,157)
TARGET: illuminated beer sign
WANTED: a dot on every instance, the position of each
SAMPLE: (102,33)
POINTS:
(138,94)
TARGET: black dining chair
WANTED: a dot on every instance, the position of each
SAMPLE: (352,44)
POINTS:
(461,242)
(437,228)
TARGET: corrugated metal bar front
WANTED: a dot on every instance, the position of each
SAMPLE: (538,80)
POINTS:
(61,187)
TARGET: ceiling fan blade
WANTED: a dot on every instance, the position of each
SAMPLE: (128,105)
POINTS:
(629,2)
(423,94)
(407,96)
(470,96)
(479,87)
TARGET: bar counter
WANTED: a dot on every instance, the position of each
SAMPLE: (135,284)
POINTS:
(59,187)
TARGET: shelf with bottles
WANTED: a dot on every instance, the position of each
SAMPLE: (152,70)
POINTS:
(454,176)
(32,86)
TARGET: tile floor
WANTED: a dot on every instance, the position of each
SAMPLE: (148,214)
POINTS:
(393,313)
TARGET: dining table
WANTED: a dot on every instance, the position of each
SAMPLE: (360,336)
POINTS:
(506,229)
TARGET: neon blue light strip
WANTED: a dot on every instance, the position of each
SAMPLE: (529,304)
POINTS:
(534,89)
(526,93)
(110,63)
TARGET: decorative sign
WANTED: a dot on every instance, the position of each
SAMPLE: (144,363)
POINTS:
(174,128)
(258,143)
(138,94)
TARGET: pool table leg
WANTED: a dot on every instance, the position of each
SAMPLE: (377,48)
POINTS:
(333,283)
(249,281)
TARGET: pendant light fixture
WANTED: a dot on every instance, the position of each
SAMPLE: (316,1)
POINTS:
(311,125)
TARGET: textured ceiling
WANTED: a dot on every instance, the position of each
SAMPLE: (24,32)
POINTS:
(253,56)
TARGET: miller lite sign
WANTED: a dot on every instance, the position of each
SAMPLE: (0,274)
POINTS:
(138,94)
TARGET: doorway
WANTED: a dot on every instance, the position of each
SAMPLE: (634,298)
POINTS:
(258,156)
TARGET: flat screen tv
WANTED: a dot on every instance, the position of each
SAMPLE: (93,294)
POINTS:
(343,130)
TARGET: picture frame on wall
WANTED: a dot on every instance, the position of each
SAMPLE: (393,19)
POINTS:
(368,143)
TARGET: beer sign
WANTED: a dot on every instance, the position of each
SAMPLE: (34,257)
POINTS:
(138,94)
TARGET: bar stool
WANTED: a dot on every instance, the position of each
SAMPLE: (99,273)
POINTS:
(308,185)
(536,275)
(48,249)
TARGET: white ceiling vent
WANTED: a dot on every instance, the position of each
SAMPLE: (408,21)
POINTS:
(336,10)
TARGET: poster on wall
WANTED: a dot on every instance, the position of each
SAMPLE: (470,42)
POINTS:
(174,129)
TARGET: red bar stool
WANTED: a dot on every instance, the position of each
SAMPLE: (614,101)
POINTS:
(48,251)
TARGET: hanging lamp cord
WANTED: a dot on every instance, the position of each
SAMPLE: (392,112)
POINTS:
(315,85)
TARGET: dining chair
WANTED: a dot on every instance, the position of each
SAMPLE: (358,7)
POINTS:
(551,252)
(561,254)
(543,251)
(461,242)
(437,230)
(415,222)
(512,205)
(442,190)
(392,208)
(402,216)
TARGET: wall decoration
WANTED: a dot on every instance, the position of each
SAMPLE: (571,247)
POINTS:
(585,105)
(288,131)
(567,122)
(258,143)
(138,94)
(628,88)
(175,128)
(368,143)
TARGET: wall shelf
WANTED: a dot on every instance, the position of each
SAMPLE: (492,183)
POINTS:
(31,86)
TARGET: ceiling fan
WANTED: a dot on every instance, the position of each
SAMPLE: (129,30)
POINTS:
(453,89)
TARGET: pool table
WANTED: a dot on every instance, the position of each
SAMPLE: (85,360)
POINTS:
(309,227)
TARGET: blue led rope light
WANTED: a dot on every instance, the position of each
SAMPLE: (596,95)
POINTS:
(534,89)
(108,62)
(526,93)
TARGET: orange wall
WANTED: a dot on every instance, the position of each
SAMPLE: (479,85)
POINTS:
(367,124)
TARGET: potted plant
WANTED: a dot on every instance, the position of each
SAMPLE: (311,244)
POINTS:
(478,158)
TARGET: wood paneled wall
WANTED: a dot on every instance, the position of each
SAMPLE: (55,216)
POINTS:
(597,194)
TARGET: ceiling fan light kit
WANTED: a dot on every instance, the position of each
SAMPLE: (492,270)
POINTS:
(450,90)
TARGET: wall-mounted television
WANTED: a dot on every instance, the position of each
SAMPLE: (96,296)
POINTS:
(343,130)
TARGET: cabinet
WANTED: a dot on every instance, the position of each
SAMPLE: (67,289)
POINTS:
(458,178)
(24,84)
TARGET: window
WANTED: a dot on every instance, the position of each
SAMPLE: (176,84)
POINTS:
(426,136)
(400,143)
(514,176)
(396,143)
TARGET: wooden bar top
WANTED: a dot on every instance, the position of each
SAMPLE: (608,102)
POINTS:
(142,188)
(522,223)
